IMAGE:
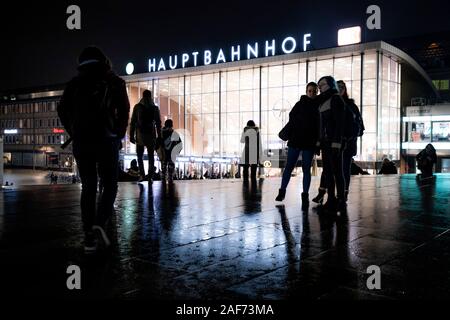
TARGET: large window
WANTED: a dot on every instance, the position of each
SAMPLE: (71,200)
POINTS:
(210,110)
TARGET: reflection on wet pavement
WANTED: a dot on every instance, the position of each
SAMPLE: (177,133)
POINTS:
(222,239)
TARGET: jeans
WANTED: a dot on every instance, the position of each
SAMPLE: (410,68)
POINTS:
(151,159)
(333,170)
(100,158)
(307,157)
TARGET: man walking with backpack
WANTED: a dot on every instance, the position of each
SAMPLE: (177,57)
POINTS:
(145,131)
(94,110)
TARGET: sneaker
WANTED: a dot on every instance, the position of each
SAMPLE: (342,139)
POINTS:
(90,243)
(103,235)
(141,179)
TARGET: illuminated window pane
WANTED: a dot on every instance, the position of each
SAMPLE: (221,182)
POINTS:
(207,83)
(256,100)
(370,66)
(274,97)
(208,103)
(232,102)
(343,68)
(385,64)
(196,104)
(232,123)
(370,118)
(246,79)
(302,73)
(393,72)
(369,143)
(275,76)
(393,94)
(312,76)
(174,87)
(290,75)
(324,68)
(275,123)
(355,92)
(246,100)
(291,96)
(232,80)
(244,117)
(264,77)
(196,84)
(369,92)
(385,93)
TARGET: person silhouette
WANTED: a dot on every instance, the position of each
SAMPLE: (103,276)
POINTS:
(94,111)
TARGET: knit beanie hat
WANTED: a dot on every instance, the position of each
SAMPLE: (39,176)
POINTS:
(90,55)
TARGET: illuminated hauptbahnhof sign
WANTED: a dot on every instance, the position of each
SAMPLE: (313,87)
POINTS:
(237,53)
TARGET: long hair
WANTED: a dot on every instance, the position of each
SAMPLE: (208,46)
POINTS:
(330,81)
(345,95)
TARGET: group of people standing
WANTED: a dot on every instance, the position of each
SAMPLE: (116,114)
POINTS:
(94,110)
(328,123)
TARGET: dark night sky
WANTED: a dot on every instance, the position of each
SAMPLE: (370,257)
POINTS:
(37,49)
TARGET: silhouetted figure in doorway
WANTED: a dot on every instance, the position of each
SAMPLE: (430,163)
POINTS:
(145,132)
(251,155)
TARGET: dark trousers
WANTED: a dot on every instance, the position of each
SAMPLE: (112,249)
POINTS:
(333,170)
(349,152)
(347,157)
(253,171)
(307,157)
(151,159)
(100,158)
(323,180)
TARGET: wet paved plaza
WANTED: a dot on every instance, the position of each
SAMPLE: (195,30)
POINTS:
(223,240)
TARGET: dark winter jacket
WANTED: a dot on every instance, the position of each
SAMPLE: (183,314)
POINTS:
(304,122)
(136,131)
(426,157)
(95,105)
(332,117)
(351,144)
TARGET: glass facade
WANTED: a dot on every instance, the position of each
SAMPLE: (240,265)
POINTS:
(211,109)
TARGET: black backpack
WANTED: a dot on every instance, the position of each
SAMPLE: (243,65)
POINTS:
(354,126)
(92,109)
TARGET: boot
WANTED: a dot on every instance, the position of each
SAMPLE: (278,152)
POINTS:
(305,201)
(331,204)
(341,206)
(281,195)
(319,198)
